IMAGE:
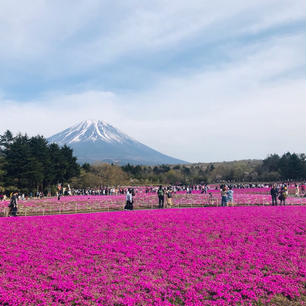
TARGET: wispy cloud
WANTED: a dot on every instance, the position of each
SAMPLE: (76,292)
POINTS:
(57,39)
(198,80)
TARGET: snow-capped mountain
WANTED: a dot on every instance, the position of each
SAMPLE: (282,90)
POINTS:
(89,131)
(96,140)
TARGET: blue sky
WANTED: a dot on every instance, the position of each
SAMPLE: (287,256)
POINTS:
(222,80)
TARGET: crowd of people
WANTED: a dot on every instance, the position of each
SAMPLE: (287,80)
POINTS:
(279,194)
(97,191)
(185,188)
(162,193)
(227,195)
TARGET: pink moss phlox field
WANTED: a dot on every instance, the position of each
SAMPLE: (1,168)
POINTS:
(248,196)
(202,256)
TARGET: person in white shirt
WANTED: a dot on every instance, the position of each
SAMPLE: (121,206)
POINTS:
(129,200)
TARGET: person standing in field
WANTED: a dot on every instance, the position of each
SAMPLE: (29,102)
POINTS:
(205,189)
(13,207)
(297,190)
(161,196)
(230,195)
(129,200)
(302,189)
(169,197)
(274,194)
(223,196)
(283,195)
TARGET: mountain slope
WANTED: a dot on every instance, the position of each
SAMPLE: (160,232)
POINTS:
(94,141)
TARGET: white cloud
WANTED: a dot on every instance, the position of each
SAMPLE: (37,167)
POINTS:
(82,34)
(247,107)
(56,112)
(240,110)
(243,110)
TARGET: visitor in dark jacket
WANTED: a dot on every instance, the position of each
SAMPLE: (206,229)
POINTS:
(13,205)
(274,194)
(161,196)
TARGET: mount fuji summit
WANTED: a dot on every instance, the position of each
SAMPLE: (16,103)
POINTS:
(97,141)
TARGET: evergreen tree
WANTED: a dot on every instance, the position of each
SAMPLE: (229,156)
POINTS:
(6,139)
(32,164)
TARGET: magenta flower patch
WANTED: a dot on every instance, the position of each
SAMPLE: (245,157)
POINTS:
(202,256)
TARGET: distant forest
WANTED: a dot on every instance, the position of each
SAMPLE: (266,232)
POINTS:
(31,164)
(289,166)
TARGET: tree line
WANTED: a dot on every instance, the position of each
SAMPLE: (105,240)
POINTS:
(289,166)
(31,164)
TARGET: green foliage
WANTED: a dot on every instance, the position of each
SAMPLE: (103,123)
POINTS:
(2,171)
(108,174)
(6,139)
(29,164)
(86,167)
(288,166)
(273,168)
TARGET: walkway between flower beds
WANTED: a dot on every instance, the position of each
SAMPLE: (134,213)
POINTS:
(81,210)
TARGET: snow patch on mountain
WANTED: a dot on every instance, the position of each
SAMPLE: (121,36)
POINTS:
(90,131)
(97,141)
